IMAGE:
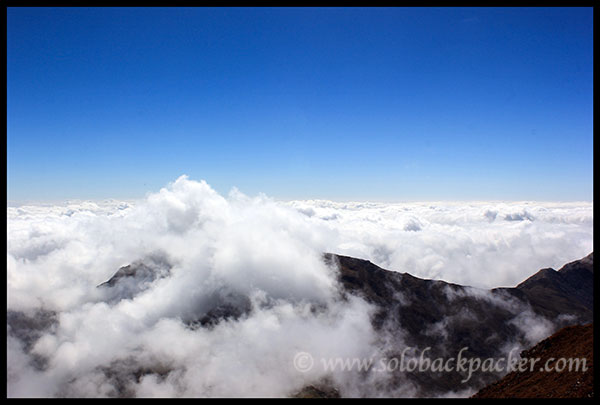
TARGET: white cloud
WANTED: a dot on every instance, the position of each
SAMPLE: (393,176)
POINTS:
(222,248)
(483,244)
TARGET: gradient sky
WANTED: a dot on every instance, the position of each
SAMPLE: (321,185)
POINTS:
(343,104)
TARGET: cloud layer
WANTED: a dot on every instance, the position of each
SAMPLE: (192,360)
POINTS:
(212,250)
(482,244)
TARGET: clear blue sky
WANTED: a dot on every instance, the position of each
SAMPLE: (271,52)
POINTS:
(343,104)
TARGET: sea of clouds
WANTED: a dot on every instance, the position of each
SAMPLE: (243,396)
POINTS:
(219,248)
(481,244)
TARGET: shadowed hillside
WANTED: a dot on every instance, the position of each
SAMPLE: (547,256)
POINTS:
(575,342)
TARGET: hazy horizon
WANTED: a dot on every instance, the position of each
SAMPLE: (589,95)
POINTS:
(227,191)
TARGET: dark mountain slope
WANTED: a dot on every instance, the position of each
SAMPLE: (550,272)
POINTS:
(569,290)
(448,317)
(572,342)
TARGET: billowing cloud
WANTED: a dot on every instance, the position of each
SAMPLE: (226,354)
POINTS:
(199,252)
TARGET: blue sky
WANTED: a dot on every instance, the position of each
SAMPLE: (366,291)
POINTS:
(345,104)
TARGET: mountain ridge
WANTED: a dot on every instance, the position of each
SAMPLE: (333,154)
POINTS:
(448,317)
(442,316)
